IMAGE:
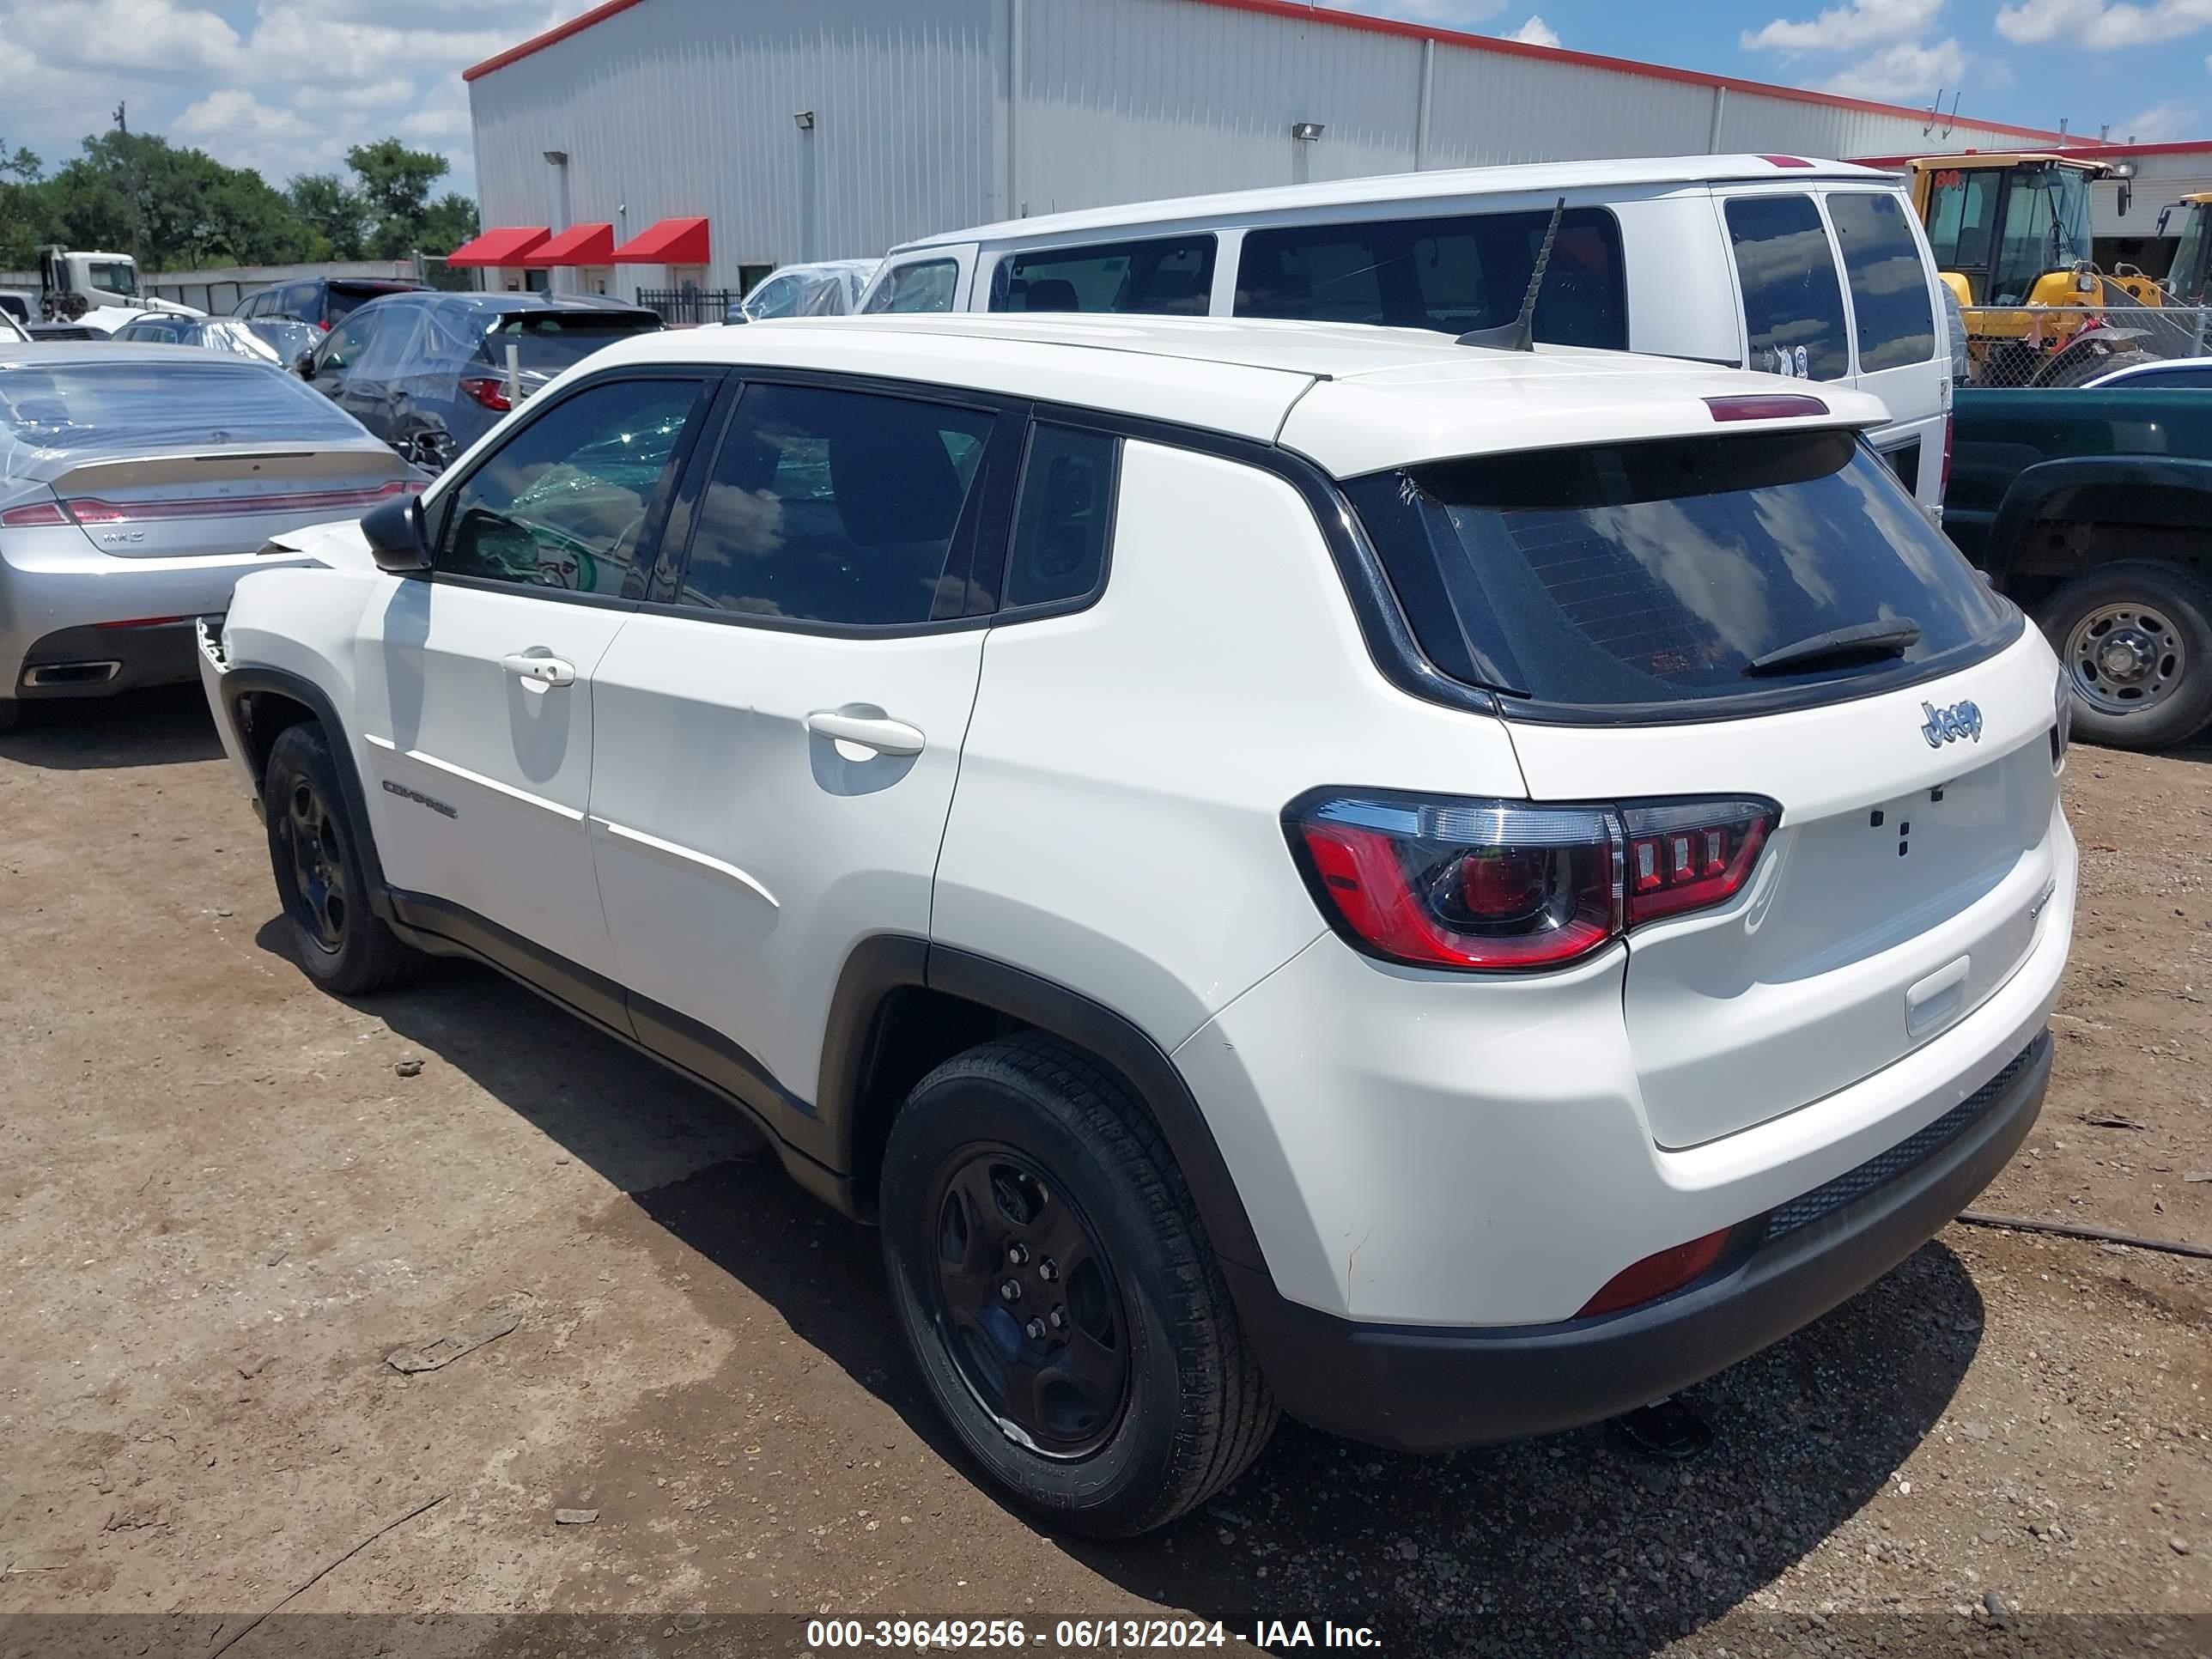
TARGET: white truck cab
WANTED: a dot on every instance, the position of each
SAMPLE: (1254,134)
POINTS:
(96,288)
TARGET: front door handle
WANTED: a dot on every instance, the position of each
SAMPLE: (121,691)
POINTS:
(539,674)
(875,731)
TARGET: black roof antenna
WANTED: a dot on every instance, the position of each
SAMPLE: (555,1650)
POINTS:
(1520,334)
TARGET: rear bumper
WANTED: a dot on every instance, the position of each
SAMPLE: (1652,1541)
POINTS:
(97,661)
(1428,1389)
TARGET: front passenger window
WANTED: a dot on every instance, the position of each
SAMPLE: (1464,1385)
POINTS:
(564,502)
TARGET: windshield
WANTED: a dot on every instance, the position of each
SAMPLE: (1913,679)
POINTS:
(2187,275)
(550,341)
(116,277)
(1638,575)
(2046,227)
(144,405)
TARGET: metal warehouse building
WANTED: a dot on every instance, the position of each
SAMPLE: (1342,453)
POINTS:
(663,143)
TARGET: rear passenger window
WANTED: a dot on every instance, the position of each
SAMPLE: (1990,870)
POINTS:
(1064,518)
(1168,276)
(1455,274)
(1793,307)
(564,502)
(836,507)
(927,285)
(1889,284)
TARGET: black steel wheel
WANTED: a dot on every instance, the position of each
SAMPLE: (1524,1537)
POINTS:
(1057,1289)
(2135,640)
(1027,1300)
(323,877)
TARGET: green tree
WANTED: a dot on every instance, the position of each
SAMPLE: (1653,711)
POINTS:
(335,216)
(395,184)
(451,221)
(25,220)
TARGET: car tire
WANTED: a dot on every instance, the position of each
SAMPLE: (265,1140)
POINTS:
(1001,1159)
(2159,620)
(321,878)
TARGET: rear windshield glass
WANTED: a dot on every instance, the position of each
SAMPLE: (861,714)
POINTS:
(1640,575)
(550,341)
(1170,276)
(1889,282)
(1457,274)
(341,299)
(76,406)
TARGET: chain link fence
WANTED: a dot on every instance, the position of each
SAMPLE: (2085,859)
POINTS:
(2074,345)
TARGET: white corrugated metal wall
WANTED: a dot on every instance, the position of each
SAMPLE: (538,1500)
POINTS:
(684,106)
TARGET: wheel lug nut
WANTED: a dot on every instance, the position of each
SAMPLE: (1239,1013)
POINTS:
(1036,1330)
(1048,1270)
(1012,1290)
(1060,1319)
(1017,1254)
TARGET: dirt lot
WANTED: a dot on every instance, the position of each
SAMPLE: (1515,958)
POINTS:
(222,1207)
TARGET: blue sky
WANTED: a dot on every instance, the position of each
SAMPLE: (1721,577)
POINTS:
(285,85)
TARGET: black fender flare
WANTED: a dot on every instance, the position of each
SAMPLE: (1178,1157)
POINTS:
(2030,495)
(879,966)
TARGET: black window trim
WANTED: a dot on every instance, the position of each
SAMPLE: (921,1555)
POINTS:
(989,507)
(709,379)
(1046,414)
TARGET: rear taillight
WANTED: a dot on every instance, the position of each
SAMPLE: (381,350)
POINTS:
(1689,854)
(490,389)
(1944,489)
(91,509)
(37,515)
(1509,886)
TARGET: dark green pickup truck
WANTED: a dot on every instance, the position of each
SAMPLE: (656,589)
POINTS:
(2090,508)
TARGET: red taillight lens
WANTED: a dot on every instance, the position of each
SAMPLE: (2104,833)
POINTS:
(91,509)
(1946,489)
(1507,886)
(488,390)
(1656,1275)
(1690,854)
(37,516)
(1765,406)
(1492,885)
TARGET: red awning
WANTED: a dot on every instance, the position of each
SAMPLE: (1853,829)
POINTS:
(502,244)
(671,242)
(579,245)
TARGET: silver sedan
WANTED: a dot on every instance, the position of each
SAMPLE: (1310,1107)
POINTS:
(138,483)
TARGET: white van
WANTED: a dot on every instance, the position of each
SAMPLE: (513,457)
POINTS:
(1737,259)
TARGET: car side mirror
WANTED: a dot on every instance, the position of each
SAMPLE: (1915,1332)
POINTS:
(397,537)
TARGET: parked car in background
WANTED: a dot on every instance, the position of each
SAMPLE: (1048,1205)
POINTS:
(828,287)
(1817,270)
(65,331)
(428,371)
(15,308)
(1607,891)
(229,334)
(10,330)
(137,483)
(2088,506)
(323,301)
(2165,374)
(290,339)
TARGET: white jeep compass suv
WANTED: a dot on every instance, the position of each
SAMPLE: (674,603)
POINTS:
(1448,892)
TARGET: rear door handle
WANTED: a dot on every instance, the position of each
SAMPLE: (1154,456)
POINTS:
(875,731)
(539,674)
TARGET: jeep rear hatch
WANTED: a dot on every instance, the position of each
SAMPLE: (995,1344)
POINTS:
(1764,617)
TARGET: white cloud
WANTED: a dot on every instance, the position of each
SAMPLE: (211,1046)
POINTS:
(2100,27)
(1903,72)
(2160,122)
(1535,33)
(1847,27)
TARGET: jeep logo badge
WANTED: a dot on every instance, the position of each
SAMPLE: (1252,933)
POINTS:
(1960,719)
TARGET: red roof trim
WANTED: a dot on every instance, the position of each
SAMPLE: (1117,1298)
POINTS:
(1292,11)
(502,244)
(668,242)
(579,245)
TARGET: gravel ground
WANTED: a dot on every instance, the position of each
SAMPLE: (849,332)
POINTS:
(225,1205)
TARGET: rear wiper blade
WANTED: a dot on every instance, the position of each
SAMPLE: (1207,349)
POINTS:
(1860,642)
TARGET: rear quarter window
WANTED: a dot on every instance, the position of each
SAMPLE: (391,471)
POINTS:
(1793,307)
(1467,271)
(1170,276)
(1889,281)
(1648,578)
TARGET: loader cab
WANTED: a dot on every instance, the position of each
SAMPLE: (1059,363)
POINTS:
(2186,278)
(2005,223)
